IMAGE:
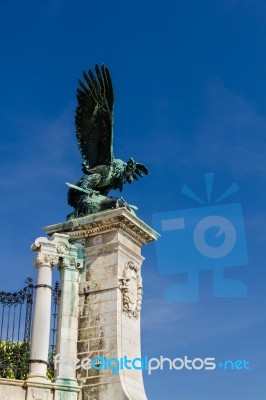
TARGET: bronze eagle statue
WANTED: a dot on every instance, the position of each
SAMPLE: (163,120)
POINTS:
(94,128)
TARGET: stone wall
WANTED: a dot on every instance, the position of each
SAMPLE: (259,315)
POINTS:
(12,389)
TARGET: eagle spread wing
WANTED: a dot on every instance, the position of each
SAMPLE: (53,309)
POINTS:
(94,118)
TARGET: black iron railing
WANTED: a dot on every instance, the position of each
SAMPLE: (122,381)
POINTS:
(55,305)
(16,314)
(16,311)
(15,331)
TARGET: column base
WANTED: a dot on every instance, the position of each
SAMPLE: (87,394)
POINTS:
(66,382)
(63,389)
(37,388)
(34,377)
(66,389)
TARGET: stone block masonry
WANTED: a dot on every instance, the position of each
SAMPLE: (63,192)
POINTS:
(110,295)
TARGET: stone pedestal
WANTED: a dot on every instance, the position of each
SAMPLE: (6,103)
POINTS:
(110,294)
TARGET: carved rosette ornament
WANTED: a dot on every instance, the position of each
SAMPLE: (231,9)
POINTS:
(46,259)
(71,263)
(131,287)
(60,247)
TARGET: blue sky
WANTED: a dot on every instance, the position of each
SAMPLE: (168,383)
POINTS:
(190,95)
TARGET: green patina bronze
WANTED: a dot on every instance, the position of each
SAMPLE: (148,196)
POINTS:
(94,127)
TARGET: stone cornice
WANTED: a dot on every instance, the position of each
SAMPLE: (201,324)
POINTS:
(95,224)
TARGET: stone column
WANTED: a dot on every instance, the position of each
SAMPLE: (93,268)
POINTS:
(67,335)
(45,260)
(110,300)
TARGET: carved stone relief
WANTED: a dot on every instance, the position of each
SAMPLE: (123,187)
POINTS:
(131,287)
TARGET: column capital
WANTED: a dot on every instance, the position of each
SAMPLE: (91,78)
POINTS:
(56,251)
(46,252)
